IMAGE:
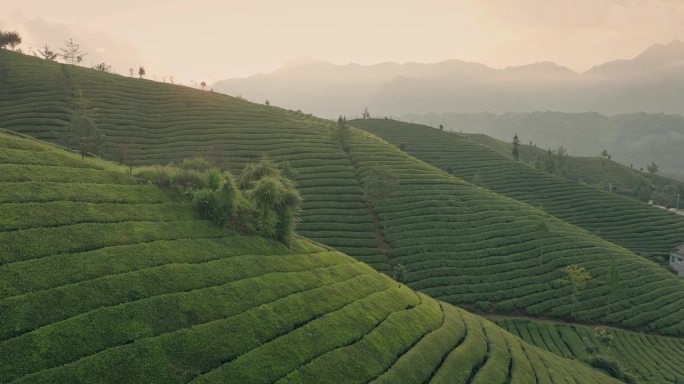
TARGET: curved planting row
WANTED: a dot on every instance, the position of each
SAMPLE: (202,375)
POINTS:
(144,292)
(158,123)
(597,171)
(652,359)
(466,245)
(643,229)
(459,243)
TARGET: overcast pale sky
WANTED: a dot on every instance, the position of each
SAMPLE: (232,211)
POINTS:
(211,40)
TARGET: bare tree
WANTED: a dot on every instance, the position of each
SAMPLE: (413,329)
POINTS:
(103,67)
(71,53)
(48,54)
(365,114)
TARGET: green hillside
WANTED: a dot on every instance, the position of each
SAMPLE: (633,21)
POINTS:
(653,359)
(106,280)
(157,123)
(643,229)
(600,172)
(459,243)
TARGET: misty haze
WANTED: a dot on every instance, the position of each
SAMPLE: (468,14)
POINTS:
(342,191)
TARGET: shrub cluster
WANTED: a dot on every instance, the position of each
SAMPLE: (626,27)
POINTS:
(263,201)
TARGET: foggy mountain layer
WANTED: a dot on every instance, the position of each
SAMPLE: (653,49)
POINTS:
(651,82)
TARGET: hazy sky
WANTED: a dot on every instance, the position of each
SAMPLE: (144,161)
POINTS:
(210,40)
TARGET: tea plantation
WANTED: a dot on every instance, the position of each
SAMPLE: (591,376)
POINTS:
(458,243)
(467,245)
(643,229)
(599,172)
(106,280)
(652,359)
(157,123)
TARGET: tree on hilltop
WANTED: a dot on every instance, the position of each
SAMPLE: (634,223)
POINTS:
(103,67)
(365,114)
(141,72)
(9,38)
(203,85)
(71,53)
(605,154)
(652,168)
(48,54)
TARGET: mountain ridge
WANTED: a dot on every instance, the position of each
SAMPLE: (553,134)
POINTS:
(649,82)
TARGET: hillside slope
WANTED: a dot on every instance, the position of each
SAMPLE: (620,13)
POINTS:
(599,172)
(643,229)
(458,242)
(631,138)
(157,123)
(652,359)
(104,280)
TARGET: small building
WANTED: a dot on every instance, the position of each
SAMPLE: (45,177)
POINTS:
(677,260)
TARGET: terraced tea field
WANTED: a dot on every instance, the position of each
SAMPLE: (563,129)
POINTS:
(643,229)
(105,280)
(596,171)
(459,243)
(158,123)
(653,359)
(467,245)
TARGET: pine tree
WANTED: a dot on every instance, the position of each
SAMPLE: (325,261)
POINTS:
(71,53)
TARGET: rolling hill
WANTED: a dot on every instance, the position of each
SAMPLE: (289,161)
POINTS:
(631,138)
(643,229)
(458,242)
(599,172)
(106,280)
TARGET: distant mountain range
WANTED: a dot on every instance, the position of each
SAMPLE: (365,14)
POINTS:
(651,82)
